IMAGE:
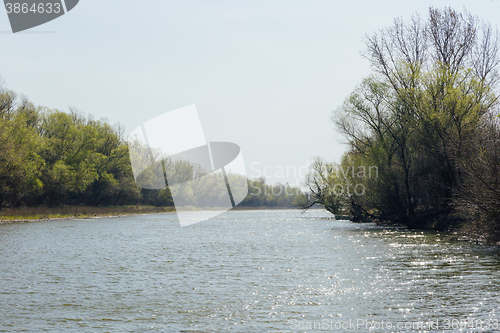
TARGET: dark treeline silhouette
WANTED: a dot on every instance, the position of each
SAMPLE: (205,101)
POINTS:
(53,158)
(426,121)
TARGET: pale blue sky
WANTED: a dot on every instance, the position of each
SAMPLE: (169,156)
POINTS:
(263,74)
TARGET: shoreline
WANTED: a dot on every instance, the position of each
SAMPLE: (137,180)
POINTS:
(41,213)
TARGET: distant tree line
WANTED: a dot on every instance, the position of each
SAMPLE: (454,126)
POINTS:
(427,118)
(54,158)
(278,195)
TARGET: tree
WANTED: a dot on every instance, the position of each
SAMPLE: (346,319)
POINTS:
(325,186)
(433,82)
(20,164)
(478,196)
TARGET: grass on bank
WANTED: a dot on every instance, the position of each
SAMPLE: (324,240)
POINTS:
(42,213)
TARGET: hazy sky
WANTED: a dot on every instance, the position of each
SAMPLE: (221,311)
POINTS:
(263,74)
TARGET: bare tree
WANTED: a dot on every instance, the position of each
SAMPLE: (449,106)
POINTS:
(321,182)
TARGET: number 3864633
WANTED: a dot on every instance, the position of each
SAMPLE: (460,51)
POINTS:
(17,8)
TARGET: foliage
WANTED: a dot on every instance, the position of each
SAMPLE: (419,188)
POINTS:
(53,158)
(421,118)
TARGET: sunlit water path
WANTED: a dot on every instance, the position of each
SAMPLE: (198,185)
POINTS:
(244,271)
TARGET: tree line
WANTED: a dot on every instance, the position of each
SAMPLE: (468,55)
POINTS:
(427,119)
(53,158)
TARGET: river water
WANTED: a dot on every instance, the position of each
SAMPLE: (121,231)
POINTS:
(244,271)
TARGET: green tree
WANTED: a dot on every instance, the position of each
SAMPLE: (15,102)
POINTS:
(433,83)
(20,164)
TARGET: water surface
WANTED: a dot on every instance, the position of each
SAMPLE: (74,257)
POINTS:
(244,271)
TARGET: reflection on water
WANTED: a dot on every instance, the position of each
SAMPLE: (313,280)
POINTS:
(243,271)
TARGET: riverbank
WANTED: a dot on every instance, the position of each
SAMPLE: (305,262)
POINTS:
(30,214)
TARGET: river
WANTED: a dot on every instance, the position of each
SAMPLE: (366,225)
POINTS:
(243,271)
